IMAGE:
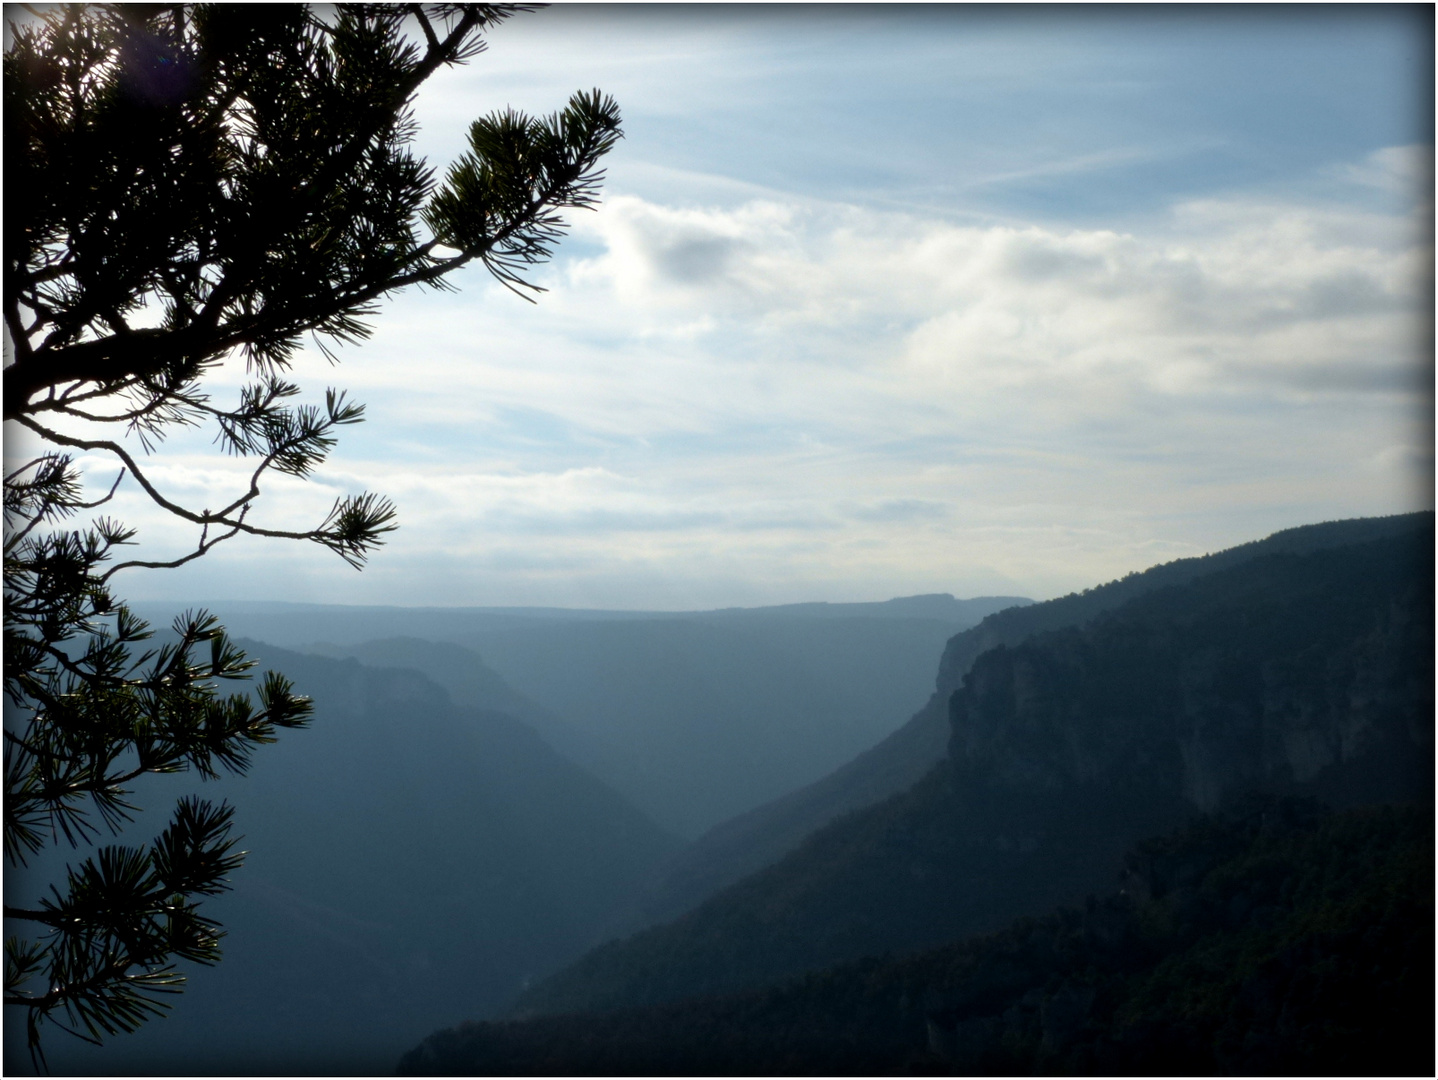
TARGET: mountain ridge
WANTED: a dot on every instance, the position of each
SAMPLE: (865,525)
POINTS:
(922,605)
(1066,744)
(759,837)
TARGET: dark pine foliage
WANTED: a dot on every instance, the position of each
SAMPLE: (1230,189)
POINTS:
(184,184)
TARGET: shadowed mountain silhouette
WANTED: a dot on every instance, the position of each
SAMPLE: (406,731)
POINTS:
(1277,671)
(409,858)
(756,839)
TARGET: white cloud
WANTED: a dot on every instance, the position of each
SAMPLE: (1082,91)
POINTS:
(1290,297)
(1400,170)
(787,399)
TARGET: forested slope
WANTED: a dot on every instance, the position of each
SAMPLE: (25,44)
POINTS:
(1274,939)
(761,836)
(1285,672)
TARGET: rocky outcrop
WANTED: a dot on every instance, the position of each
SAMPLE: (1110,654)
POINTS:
(1289,671)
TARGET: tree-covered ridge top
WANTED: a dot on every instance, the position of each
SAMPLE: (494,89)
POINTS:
(760,837)
(1073,607)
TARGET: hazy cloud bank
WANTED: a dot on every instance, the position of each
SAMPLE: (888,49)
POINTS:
(788,399)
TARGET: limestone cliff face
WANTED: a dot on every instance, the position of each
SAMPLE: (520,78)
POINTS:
(1291,671)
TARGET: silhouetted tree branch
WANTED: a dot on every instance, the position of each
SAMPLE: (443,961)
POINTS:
(185,184)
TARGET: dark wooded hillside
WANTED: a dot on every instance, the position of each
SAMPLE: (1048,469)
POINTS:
(1276,938)
(1305,673)
(760,837)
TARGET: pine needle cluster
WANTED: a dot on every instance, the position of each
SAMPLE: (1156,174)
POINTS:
(185,184)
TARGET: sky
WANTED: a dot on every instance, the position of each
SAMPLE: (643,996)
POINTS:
(884,301)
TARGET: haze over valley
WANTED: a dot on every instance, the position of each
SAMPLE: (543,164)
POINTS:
(939,581)
(434,829)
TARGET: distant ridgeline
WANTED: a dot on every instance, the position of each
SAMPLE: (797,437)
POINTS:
(693,717)
(1275,935)
(440,838)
